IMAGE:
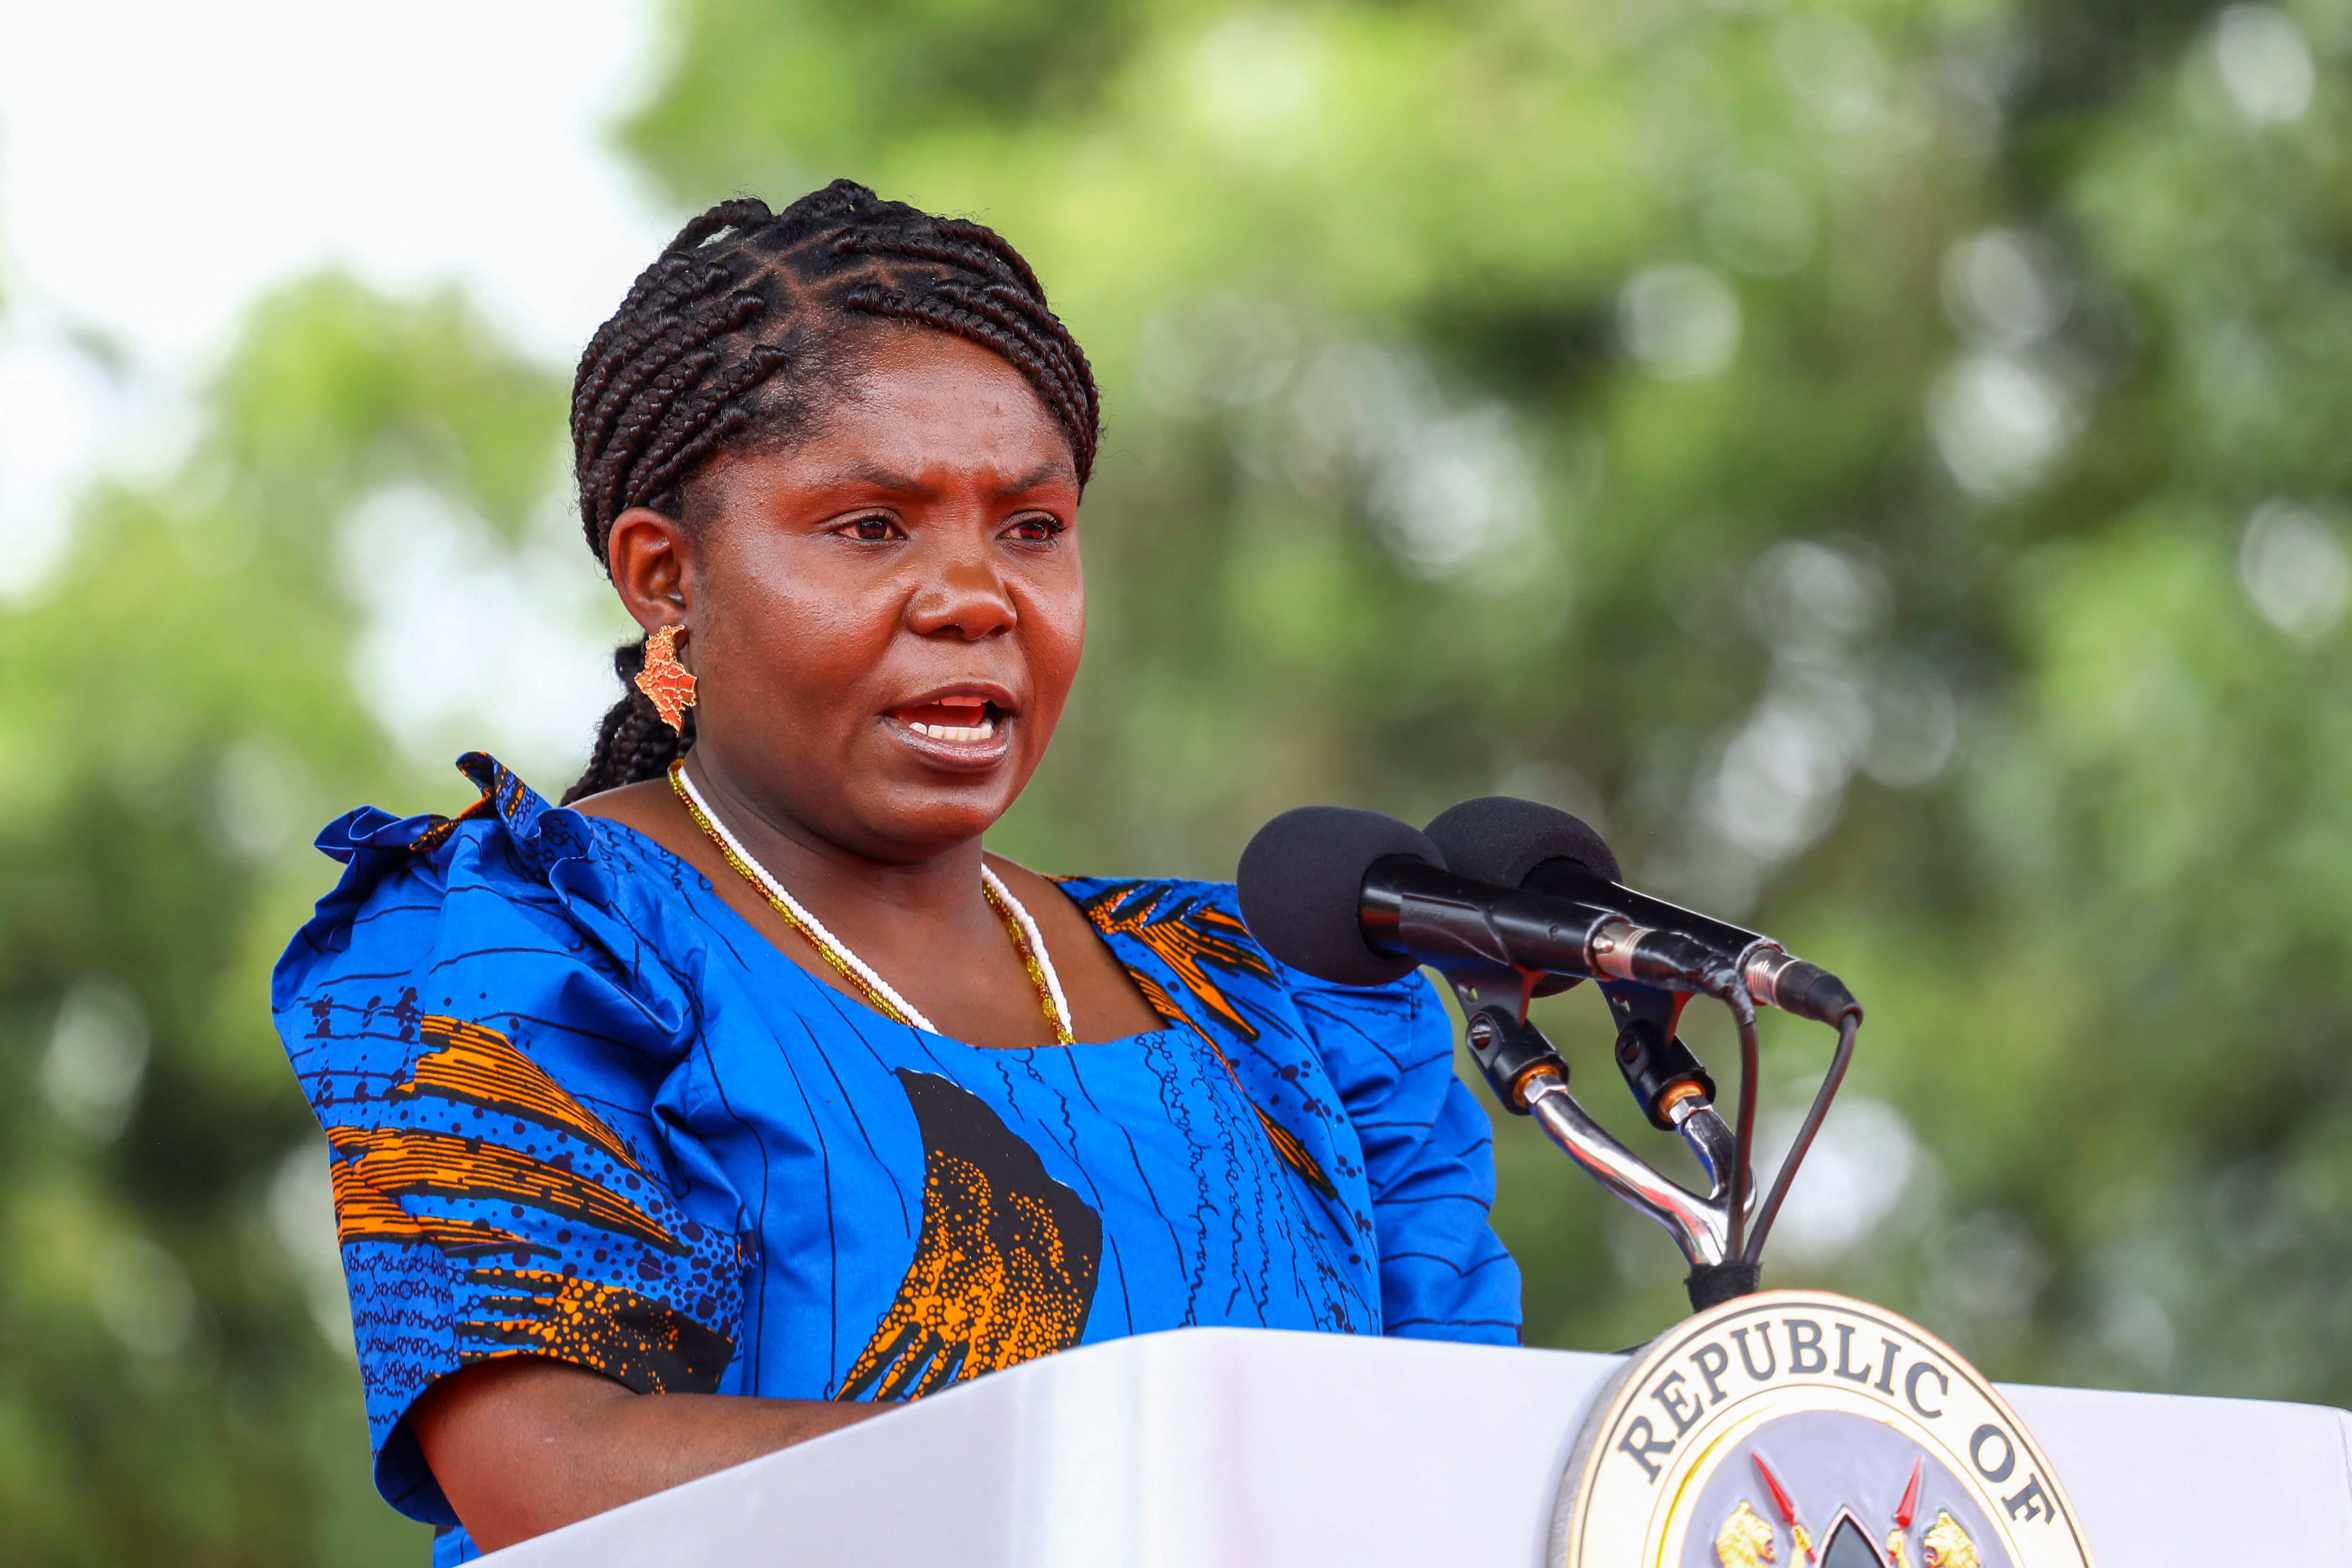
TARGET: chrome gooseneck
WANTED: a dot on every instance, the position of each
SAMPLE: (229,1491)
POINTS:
(1701,1225)
(1721,1232)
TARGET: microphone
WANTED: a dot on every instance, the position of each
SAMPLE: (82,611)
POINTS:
(1359,899)
(1500,896)
(1539,848)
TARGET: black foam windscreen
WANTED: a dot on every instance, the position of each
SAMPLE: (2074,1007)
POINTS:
(1302,884)
(1500,839)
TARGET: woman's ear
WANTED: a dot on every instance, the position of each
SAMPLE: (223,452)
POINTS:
(648,553)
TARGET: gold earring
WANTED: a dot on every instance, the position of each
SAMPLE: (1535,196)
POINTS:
(667,684)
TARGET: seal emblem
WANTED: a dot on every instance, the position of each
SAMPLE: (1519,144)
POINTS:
(1806,1430)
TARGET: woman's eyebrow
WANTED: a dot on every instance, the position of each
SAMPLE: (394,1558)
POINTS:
(1059,471)
(880,477)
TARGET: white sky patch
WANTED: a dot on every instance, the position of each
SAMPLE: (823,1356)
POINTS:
(161,163)
(470,643)
(58,409)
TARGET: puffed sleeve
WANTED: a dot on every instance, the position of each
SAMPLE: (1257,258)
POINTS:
(486,1039)
(1428,1155)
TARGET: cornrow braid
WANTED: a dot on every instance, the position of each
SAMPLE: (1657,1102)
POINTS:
(715,345)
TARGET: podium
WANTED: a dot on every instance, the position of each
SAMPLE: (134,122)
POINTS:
(1229,1448)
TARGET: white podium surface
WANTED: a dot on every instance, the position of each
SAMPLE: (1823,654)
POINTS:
(1226,1447)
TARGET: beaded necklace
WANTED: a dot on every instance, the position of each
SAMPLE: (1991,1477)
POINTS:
(877,991)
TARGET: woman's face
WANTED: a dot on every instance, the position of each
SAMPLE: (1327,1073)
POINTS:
(883,619)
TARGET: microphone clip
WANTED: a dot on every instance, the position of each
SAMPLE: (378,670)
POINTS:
(1511,1052)
(1530,1077)
(1658,1067)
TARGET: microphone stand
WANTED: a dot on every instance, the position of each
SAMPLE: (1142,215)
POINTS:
(1530,1077)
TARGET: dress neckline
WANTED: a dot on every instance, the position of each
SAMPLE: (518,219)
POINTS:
(865,1014)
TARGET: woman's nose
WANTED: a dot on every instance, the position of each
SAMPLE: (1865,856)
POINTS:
(965,597)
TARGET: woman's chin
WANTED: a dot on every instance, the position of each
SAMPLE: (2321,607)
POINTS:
(915,797)
(911,824)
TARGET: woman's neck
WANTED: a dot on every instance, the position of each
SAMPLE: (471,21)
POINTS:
(923,925)
(867,901)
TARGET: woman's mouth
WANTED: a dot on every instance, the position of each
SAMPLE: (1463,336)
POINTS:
(950,718)
(963,729)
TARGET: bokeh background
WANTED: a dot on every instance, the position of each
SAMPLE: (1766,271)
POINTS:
(1882,460)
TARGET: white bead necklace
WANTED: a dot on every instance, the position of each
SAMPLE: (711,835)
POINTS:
(1027,942)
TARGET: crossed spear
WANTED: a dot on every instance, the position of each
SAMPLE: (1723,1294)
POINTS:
(1904,1512)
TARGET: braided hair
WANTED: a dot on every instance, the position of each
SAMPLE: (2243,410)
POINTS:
(726,340)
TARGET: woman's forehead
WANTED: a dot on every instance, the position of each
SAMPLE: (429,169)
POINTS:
(913,450)
(928,374)
(926,406)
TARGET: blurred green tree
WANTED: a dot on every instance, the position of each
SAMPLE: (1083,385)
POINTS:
(1877,459)
(175,1373)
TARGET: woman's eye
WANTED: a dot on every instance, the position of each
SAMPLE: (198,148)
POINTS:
(870,530)
(1038,529)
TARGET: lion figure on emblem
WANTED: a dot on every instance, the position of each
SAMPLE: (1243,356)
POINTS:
(1746,1540)
(1947,1545)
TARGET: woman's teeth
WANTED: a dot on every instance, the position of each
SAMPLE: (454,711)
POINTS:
(984,730)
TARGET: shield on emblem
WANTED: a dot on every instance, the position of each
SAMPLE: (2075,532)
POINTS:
(1850,1547)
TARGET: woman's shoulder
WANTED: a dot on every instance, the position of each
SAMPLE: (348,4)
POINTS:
(509,875)
(1195,932)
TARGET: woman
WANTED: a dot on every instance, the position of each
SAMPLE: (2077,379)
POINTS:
(746,1077)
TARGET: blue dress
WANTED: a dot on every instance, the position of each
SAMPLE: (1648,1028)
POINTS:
(578,1107)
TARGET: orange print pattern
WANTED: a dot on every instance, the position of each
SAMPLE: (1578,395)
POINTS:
(433,838)
(1186,937)
(405,1162)
(1005,1263)
(362,1213)
(629,1338)
(475,1066)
